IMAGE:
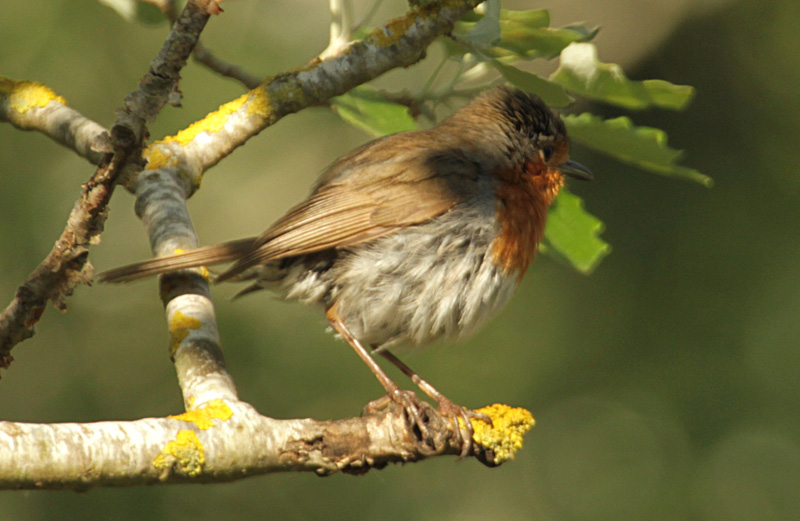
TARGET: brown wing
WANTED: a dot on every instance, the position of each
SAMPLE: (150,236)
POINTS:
(365,195)
(387,184)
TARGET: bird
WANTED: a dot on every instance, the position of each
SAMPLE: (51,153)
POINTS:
(411,238)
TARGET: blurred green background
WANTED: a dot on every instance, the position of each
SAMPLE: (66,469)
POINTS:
(665,385)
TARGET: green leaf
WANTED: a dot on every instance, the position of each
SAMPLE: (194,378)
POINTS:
(531,43)
(583,74)
(529,18)
(645,147)
(136,11)
(367,109)
(486,32)
(552,93)
(572,234)
(519,34)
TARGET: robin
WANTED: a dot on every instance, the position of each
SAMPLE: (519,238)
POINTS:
(411,238)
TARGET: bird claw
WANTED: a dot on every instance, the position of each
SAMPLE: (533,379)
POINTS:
(463,429)
(418,416)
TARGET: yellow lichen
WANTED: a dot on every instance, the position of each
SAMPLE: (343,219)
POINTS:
(204,416)
(260,103)
(256,103)
(179,326)
(185,453)
(213,122)
(25,95)
(504,436)
(157,158)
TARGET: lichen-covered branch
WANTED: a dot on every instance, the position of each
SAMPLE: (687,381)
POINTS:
(194,341)
(399,43)
(159,84)
(223,441)
(33,106)
(67,264)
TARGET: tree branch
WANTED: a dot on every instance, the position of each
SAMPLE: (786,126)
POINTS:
(222,441)
(194,341)
(205,57)
(399,43)
(159,84)
(33,106)
(65,266)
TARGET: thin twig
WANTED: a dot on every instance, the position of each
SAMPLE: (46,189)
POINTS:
(66,265)
(205,57)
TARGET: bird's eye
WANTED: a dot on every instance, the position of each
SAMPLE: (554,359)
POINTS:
(547,153)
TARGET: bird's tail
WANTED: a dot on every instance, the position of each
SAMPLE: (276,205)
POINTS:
(205,256)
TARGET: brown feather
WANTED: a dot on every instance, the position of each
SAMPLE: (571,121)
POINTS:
(208,255)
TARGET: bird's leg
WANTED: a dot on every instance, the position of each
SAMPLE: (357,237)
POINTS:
(406,399)
(447,408)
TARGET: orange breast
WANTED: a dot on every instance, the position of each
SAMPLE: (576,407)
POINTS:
(522,203)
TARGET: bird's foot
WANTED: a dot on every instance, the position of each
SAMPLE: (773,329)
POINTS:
(461,419)
(420,416)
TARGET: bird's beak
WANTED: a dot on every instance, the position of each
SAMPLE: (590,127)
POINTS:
(576,170)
